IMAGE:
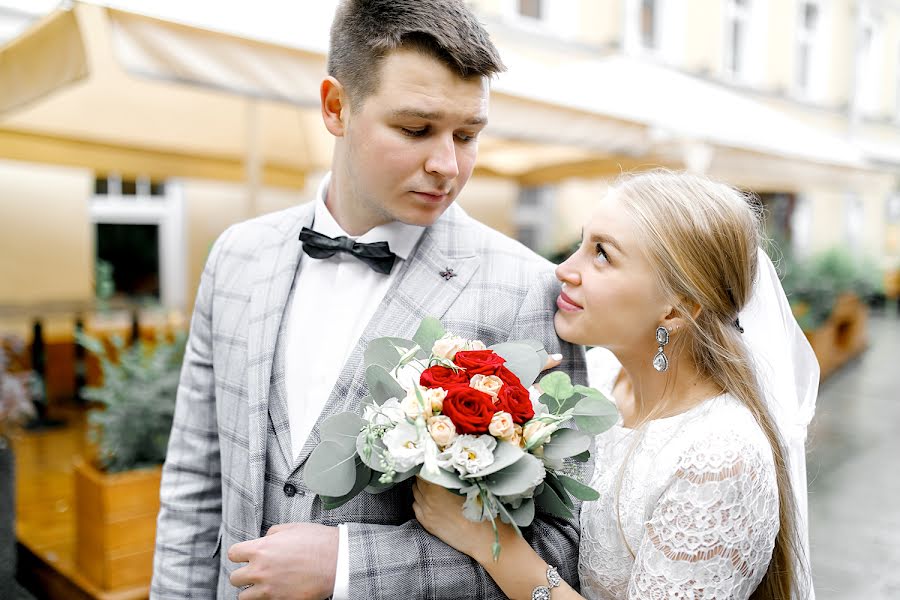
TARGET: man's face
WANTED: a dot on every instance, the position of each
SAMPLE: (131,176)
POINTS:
(411,147)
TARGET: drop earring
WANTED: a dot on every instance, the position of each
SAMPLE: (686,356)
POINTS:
(660,361)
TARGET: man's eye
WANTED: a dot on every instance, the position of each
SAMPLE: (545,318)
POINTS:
(414,132)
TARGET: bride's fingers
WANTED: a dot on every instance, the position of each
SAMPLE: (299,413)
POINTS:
(553,361)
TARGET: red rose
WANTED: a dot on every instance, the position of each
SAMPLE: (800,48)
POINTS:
(514,399)
(507,377)
(479,362)
(470,410)
(442,377)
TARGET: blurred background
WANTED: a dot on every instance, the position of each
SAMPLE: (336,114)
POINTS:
(133,132)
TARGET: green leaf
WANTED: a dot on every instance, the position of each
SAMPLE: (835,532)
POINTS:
(382,386)
(558,385)
(375,486)
(595,415)
(589,391)
(329,471)
(549,502)
(565,443)
(522,516)
(505,454)
(373,458)
(342,428)
(559,488)
(429,331)
(363,475)
(583,457)
(523,360)
(445,479)
(578,489)
(517,478)
(383,352)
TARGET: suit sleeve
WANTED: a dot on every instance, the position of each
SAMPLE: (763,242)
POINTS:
(407,562)
(186,563)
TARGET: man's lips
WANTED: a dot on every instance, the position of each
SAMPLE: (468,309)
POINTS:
(432,196)
(567,304)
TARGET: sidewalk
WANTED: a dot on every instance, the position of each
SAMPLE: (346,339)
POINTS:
(854,475)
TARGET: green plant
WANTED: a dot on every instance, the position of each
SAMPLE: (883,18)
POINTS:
(813,285)
(137,398)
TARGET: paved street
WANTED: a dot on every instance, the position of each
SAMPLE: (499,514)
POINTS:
(854,478)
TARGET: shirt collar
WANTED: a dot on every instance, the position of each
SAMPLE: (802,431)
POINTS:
(401,237)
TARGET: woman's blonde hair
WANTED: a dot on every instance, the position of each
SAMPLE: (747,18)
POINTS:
(702,238)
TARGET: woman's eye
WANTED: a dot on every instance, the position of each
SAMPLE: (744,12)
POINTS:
(601,253)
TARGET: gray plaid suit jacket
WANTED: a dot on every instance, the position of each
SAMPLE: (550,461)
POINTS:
(228,459)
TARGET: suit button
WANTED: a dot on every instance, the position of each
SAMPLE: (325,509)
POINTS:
(289,490)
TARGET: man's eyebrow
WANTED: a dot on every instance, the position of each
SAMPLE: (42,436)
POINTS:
(432,116)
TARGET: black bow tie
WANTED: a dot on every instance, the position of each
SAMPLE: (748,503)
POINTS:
(377,255)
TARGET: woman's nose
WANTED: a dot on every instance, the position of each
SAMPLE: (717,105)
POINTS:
(567,273)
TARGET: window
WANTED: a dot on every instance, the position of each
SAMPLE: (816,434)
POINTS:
(738,37)
(139,233)
(534,217)
(807,72)
(647,24)
(854,215)
(868,68)
(654,27)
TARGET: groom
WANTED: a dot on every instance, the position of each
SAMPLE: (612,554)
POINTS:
(281,323)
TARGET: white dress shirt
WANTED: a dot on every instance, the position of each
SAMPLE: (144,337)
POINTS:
(334,300)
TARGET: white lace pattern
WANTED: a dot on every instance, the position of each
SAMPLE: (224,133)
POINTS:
(688,504)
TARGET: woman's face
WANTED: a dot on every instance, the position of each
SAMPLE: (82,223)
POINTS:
(610,295)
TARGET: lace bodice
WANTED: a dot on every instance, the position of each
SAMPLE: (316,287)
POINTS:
(688,504)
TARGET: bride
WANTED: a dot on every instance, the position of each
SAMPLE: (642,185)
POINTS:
(696,499)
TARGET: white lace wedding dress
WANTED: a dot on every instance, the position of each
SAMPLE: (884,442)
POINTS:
(694,512)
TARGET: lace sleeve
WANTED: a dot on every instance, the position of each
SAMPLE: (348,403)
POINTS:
(712,532)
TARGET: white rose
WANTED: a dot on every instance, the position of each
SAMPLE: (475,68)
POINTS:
(413,408)
(442,430)
(404,446)
(436,397)
(475,345)
(387,414)
(408,375)
(489,384)
(502,426)
(536,430)
(468,454)
(448,346)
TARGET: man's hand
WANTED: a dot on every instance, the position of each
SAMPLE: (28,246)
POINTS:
(293,561)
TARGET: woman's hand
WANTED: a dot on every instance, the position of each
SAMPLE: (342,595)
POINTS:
(439,511)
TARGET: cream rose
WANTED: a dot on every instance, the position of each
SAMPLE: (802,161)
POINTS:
(448,346)
(413,408)
(536,430)
(489,384)
(435,397)
(502,426)
(442,430)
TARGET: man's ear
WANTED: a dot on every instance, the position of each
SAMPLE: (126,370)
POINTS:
(335,107)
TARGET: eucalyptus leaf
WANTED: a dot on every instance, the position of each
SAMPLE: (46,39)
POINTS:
(329,471)
(384,352)
(372,459)
(595,415)
(578,489)
(589,391)
(559,488)
(363,475)
(569,403)
(505,454)
(445,479)
(522,516)
(523,360)
(375,486)
(558,385)
(583,457)
(342,428)
(549,502)
(565,443)
(429,331)
(382,386)
(517,478)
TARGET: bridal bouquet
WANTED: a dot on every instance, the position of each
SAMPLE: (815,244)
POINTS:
(461,416)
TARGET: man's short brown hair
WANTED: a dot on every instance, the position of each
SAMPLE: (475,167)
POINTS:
(365,31)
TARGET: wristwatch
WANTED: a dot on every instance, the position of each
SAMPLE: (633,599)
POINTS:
(542,592)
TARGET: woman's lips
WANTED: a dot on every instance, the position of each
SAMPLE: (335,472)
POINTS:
(567,304)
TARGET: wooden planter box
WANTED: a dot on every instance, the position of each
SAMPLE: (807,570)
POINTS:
(843,336)
(115,525)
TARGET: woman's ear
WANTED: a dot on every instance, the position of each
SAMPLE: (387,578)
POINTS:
(675,319)
(333,97)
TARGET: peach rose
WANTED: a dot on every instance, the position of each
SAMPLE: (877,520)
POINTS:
(502,426)
(489,384)
(442,430)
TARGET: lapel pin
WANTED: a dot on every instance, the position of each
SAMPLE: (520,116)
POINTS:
(447,274)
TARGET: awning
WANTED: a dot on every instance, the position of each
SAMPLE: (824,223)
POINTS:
(115,88)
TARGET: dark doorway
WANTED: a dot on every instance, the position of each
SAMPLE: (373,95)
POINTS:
(133,252)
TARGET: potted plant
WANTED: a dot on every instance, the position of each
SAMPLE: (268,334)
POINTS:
(828,294)
(16,392)
(117,488)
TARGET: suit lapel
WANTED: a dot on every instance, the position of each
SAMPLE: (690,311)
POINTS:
(277,266)
(419,291)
